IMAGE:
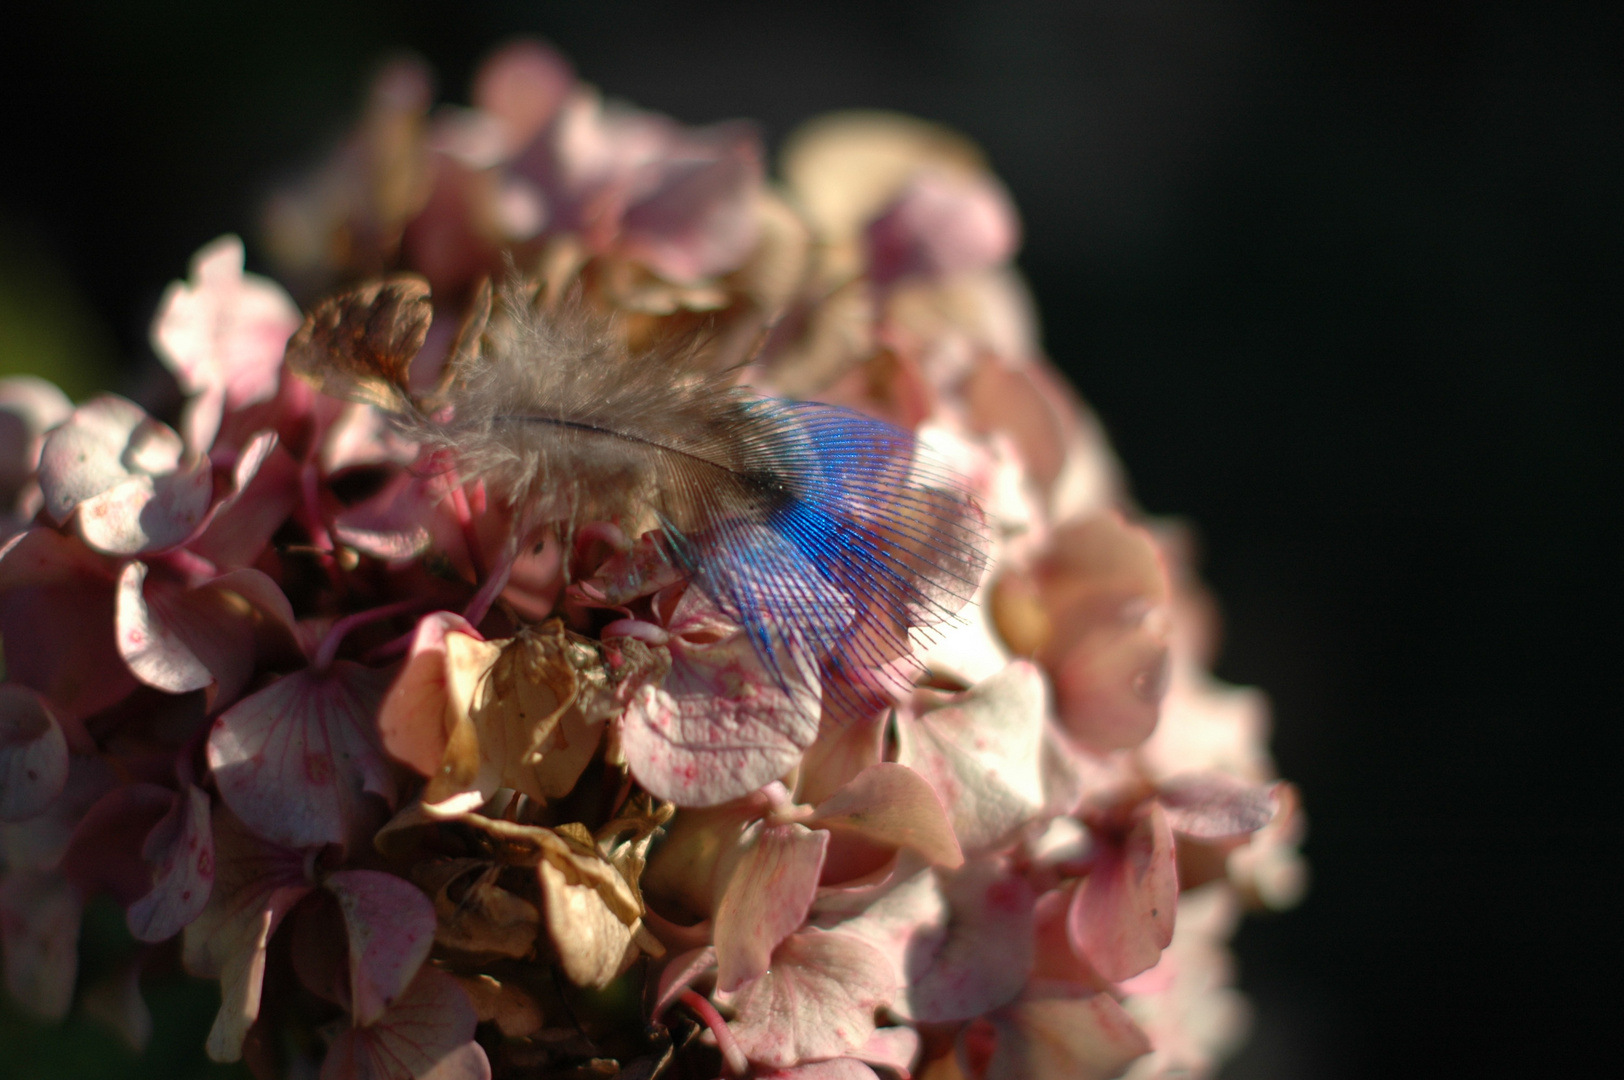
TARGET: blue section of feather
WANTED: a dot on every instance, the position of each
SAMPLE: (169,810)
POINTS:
(855,539)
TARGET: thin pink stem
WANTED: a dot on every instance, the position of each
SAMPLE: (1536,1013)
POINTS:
(737,1063)
(335,637)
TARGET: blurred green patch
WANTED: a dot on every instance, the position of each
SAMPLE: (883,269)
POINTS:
(82,1048)
(46,328)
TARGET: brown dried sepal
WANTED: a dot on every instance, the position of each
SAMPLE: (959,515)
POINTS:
(592,913)
(515,1013)
(359,344)
(477,915)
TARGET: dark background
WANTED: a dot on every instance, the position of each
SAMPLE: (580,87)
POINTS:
(1343,280)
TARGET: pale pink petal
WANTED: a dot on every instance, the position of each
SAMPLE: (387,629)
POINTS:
(224,331)
(845,747)
(180,851)
(29,407)
(1083,1037)
(1211,806)
(522,85)
(986,956)
(148,513)
(1122,916)
(892,804)
(297,758)
(833,1069)
(39,927)
(943,223)
(982,753)
(770,885)
(390,924)
(256,885)
(162,626)
(817,1001)
(427,1033)
(701,221)
(895,1048)
(394,523)
(128,477)
(412,717)
(257,506)
(33,754)
(722,725)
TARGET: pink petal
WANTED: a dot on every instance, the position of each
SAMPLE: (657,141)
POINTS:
(224,331)
(522,85)
(834,1069)
(986,956)
(245,520)
(33,754)
(426,1033)
(1082,1037)
(146,513)
(845,747)
(678,974)
(702,219)
(180,851)
(1122,916)
(895,1048)
(163,626)
(943,223)
(39,927)
(770,885)
(817,1001)
(391,927)
(722,725)
(411,719)
(394,523)
(1210,806)
(892,804)
(56,616)
(128,477)
(256,885)
(982,753)
(297,758)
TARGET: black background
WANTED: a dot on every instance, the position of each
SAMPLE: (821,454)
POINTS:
(1344,282)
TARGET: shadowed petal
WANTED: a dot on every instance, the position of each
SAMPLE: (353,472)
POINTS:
(391,927)
(180,850)
(33,754)
(426,1033)
(1122,916)
(297,758)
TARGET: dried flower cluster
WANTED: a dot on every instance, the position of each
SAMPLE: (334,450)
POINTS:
(428,803)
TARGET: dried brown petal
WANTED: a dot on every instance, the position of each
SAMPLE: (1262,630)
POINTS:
(512,1010)
(359,344)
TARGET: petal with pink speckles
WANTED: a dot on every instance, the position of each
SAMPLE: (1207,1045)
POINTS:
(390,924)
(817,1000)
(722,725)
(428,1032)
(125,480)
(982,753)
(297,759)
(180,852)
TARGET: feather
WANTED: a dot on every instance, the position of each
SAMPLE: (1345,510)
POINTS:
(812,526)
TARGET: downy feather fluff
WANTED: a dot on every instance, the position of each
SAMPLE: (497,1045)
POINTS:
(820,530)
